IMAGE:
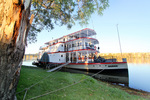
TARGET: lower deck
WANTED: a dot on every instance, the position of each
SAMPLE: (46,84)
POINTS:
(89,66)
(98,66)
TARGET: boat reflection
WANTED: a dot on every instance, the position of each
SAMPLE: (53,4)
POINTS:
(119,77)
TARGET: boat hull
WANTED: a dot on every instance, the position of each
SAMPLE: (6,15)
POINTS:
(98,66)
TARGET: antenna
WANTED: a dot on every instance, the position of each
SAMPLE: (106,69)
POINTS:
(119,40)
(92,23)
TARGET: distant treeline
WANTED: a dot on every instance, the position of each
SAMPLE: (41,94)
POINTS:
(131,57)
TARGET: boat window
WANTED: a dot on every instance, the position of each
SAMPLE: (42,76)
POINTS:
(61,55)
(113,66)
(86,43)
(78,44)
(62,45)
(69,45)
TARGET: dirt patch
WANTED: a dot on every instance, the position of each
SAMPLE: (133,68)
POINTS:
(133,91)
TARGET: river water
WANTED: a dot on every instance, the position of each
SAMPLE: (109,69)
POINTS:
(137,76)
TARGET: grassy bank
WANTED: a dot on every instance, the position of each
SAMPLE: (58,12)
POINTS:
(88,89)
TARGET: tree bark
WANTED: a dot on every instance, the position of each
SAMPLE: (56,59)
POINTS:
(14,26)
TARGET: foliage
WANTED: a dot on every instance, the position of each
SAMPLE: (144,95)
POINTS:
(90,89)
(62,12)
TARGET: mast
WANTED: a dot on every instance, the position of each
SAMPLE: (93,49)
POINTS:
(87,50)
(119,40)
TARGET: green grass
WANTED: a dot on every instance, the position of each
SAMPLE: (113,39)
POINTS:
(90,89)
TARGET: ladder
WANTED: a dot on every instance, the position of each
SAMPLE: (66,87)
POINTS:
(58,67)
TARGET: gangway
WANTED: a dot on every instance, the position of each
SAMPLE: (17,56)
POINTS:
(58,67)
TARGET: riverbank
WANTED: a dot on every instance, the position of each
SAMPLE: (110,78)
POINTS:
(68,86)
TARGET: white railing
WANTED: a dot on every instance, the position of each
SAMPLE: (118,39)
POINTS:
(81,47)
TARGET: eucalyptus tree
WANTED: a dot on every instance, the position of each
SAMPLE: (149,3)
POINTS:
(17,23)
(62,12)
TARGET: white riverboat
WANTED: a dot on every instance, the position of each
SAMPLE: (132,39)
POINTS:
(79,50)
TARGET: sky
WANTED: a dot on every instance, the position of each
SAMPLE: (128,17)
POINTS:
(132,17)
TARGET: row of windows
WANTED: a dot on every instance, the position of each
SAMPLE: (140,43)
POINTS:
(64,40)
(74,45)
(55,47)
(80,44)
(54,55)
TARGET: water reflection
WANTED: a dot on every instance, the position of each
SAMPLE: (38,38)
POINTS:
(114,76)
(139,76)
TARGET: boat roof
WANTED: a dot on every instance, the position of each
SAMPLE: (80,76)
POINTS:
(81,33)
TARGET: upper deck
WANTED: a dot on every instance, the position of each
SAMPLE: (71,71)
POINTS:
(74,36)
(82,39)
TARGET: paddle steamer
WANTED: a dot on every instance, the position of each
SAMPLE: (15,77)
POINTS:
(79,50)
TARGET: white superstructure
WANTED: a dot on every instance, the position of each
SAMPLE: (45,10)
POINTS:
(76,47)
(79,49)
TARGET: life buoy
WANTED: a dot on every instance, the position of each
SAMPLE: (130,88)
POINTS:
(79,58)
(82,58)
(96,53)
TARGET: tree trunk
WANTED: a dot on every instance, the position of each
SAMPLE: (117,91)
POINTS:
(14,26)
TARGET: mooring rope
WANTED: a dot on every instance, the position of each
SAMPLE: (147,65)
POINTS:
(64,87)
(25,94)
(37,82)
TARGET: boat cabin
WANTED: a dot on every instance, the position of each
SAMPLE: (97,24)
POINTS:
(77,47)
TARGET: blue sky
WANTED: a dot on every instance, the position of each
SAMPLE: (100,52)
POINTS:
(132,17)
